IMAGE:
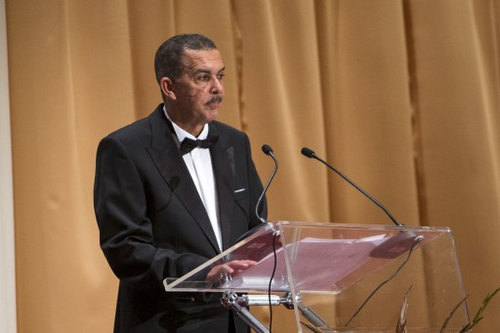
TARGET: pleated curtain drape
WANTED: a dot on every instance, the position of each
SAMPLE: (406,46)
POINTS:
(401,95)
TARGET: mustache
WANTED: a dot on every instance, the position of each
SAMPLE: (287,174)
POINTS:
(216,99)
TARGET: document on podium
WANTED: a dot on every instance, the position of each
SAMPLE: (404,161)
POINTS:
(316,264)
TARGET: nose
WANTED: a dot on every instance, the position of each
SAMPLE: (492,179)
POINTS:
(217,86)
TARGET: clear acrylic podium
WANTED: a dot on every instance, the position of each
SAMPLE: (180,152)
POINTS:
(343,277)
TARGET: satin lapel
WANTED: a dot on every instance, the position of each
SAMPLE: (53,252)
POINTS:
(223,165)
(169,162)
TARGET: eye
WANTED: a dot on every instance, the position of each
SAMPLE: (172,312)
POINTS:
(220,76)
(204,77)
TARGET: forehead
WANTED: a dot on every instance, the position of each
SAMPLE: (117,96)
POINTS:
(203,59)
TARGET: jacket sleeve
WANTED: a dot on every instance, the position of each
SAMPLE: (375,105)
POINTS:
(125,229)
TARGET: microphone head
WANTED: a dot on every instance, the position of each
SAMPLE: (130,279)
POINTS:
(267,149)
(307,152)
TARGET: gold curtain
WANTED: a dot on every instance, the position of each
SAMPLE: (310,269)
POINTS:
(402,95)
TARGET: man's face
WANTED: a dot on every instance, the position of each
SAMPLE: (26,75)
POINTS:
(198,92)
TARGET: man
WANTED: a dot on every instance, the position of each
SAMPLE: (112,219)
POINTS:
(164,206)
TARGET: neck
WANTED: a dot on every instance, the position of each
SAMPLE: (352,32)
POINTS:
(191,127)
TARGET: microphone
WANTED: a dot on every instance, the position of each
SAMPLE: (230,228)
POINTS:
(269,152)
(267,149)
(311,154)
(394,246)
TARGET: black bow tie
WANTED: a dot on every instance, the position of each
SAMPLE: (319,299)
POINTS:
(187,144)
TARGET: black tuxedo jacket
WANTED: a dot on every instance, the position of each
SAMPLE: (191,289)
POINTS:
(153,223)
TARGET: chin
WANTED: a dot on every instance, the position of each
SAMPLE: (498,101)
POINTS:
(212,115)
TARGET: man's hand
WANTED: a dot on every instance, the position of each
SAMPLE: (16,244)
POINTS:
(220,272)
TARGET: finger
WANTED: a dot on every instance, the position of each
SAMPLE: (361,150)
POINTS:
(241,263)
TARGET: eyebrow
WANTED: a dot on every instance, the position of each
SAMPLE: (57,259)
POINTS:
(206,71)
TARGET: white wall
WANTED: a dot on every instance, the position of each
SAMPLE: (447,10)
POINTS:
(7,263)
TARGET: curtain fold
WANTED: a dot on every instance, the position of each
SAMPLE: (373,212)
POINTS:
(402,95)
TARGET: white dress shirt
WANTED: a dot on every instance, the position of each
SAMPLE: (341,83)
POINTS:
(199,164)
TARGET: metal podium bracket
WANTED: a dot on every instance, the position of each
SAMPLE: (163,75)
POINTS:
(239,304)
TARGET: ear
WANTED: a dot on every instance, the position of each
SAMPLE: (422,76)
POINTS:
(166,88)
